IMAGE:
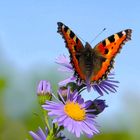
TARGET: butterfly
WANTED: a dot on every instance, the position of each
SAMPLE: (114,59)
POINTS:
(93,64)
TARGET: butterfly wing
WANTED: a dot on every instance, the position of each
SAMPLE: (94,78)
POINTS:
(108,49)
(74,46)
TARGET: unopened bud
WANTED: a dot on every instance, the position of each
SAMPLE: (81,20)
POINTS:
(44,91)
(99,106)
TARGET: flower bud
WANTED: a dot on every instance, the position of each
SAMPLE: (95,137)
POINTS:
(99,106)
(44,91)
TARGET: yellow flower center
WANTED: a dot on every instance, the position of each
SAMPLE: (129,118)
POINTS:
(75,111)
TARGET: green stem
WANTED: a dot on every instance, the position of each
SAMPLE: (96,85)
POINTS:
(46,120)
(50,136)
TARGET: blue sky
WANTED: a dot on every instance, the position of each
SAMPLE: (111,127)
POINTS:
(28,29)
(28,32)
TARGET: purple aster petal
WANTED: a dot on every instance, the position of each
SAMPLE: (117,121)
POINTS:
(39,135)
(89,115)
(88,103)
(68,124)
(88,85)
(90,124)
(108,87)
(89,136)
(47,131)
(55,113)
(51,106)
(74,94)
(62,118)
(77,129)
(80,100)
(65,69)
(96,87)
(112,81)
(86,129)
(68,94)
(92,119)
(66,81)
(54,110)
(104,89)
(59,92)
(34,135)
(109,84)
(58,105)
(62,60)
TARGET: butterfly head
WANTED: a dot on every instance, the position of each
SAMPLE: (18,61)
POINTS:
(87,45)
(87,52)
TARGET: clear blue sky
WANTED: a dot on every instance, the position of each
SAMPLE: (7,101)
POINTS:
(28,31)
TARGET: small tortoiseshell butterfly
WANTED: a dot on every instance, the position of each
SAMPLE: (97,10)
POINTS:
(93,64)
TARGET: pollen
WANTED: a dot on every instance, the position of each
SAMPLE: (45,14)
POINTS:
(75,111)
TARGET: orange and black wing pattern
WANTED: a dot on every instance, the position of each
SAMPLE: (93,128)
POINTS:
(108,49)
(74,46)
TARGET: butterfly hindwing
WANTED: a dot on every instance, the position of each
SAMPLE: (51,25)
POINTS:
(108,49)
(74,46)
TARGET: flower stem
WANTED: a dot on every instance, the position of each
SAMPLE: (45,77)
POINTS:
(46,119)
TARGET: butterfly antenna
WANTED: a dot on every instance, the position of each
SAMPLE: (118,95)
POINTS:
(98,35)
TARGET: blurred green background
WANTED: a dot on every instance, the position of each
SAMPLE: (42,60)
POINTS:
(29,45)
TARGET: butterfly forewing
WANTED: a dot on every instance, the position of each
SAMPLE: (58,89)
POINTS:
(74,46)
(108,48)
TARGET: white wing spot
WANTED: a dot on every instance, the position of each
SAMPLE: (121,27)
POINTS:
(123,32)
(63,26)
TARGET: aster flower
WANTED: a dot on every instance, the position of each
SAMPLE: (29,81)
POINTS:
(105,86)
(41,135)
(73,114)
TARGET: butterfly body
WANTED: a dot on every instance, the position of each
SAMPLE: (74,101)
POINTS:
(89,61)
(93,64)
